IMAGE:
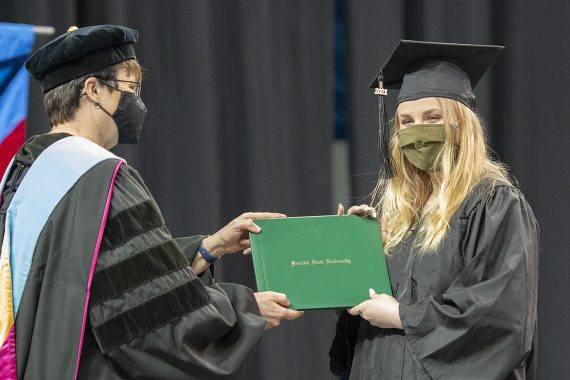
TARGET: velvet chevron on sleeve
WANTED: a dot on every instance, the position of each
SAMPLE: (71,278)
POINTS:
(150,315)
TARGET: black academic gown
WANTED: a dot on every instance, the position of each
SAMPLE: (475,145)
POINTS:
(150,316)
(468,309)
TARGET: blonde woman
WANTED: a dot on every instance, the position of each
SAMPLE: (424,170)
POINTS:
(460,238)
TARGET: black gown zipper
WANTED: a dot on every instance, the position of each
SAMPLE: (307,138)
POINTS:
(12,187)
(18,174)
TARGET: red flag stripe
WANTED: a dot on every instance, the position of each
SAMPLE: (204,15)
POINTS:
(10,145)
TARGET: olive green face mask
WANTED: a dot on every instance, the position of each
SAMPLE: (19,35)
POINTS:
(422,144)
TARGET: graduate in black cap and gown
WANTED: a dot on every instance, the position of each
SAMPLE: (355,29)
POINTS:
(93,285)
(460,238)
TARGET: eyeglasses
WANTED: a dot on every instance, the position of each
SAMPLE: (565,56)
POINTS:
(136,90)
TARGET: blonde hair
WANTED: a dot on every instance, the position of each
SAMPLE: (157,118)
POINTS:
(462,164)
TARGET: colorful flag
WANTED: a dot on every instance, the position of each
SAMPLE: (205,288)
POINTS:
(16,42)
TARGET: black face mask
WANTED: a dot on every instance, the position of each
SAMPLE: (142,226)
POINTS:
(129,117)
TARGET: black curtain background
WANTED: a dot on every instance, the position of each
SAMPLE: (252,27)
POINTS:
(241,118)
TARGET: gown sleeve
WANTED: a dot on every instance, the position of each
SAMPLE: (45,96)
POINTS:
(151,316)
(189,246)
(341,353)
(483,325)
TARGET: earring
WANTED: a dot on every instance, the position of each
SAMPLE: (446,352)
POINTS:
(97,104)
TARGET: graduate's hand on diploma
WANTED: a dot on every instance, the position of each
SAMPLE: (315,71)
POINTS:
(273,307)
(362,210)
(365,210)
(234,236)
(381,310)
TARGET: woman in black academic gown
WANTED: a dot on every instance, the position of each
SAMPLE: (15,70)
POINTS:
(461,240)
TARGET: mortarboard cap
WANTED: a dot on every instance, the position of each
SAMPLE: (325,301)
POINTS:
(423,69)
(79,52)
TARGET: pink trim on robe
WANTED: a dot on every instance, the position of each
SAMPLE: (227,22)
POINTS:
(8,357)
(94,263)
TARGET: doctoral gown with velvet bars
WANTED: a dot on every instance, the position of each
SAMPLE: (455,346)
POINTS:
(149,316)
(468,309)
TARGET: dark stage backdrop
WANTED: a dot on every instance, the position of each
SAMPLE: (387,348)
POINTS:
(241,118)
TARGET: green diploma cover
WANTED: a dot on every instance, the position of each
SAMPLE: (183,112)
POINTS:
(320,262)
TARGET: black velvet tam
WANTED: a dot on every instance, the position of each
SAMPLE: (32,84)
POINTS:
(423,69)
(79,52)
